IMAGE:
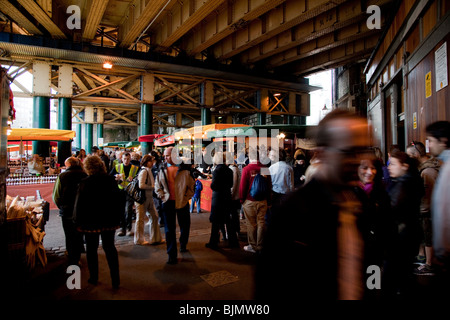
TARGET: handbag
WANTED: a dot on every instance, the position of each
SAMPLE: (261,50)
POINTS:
(133,190)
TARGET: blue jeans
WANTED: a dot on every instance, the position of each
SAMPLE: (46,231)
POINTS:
(193,201)
(184,221)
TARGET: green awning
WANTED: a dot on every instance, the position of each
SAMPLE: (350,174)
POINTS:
(121,144)
(132,144)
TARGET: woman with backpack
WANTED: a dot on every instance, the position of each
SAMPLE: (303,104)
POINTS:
(146,182)
(255,209)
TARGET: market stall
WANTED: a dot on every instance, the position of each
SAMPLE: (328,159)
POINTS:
(20,182)
(121,145)
(165,141)
(287,136)
(149,137)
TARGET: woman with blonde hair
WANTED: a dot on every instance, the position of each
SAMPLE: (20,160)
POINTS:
(147,183)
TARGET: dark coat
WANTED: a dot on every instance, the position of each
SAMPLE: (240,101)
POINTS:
(68,185)
(406,193)
(299,255)
(299,258)
(222,182)
(99,204)
(377,224)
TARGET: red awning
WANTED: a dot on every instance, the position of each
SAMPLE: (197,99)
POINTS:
(149,137)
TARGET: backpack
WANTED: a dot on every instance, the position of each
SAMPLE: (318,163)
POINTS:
(133,190)
(259,190)
(198,186)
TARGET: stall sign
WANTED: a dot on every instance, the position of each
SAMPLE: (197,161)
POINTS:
(164,141)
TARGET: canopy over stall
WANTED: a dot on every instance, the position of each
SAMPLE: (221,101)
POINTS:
(165,140)
(34,134)
(290,131)
(149,137)
(121,144)
(184,133)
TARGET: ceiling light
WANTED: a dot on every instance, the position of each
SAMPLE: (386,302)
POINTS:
(107,65)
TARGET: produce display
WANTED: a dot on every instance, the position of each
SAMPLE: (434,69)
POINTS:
(30,212)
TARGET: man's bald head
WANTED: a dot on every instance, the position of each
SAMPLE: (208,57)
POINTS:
(71,161)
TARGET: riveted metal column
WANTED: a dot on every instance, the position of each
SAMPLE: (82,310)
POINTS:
(41,104)
(89,129)
(89,137)
(41,119)
(79,132)
(148,98)
(206,101)
(64,123)
(100,121)
(65,90)
(100,135)
(146,125)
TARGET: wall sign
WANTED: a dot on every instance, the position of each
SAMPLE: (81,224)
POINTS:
(440,60)
(428,85)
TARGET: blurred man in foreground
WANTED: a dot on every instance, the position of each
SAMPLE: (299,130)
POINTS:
(314,240)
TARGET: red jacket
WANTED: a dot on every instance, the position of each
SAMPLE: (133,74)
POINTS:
(248,174)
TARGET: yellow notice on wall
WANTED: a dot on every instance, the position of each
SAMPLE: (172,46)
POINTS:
(415,120)
(428,85)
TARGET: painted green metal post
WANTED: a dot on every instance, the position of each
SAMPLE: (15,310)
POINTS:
(100,134)
(205,112)
(146,125)
(64,123)
(206,116)
(41,120)
(78,132)
(89,137)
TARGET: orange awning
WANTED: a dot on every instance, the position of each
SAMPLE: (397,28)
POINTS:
(34,134)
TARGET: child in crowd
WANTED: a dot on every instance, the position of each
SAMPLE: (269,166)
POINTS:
(197,195)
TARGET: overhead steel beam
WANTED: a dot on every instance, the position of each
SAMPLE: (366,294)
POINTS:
(107,85)
(17,16)
(274,22)
(341,17)
(94,17)
(183,18)
(225,22)
(139,18)
(103,82)
(329,42)
(36,11)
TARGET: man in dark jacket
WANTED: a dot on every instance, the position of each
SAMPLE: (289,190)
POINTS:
(314,237)
(64,193)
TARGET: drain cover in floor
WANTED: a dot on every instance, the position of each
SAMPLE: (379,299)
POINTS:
(219,278)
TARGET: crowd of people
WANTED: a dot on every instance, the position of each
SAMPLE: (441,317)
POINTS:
(326,218)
